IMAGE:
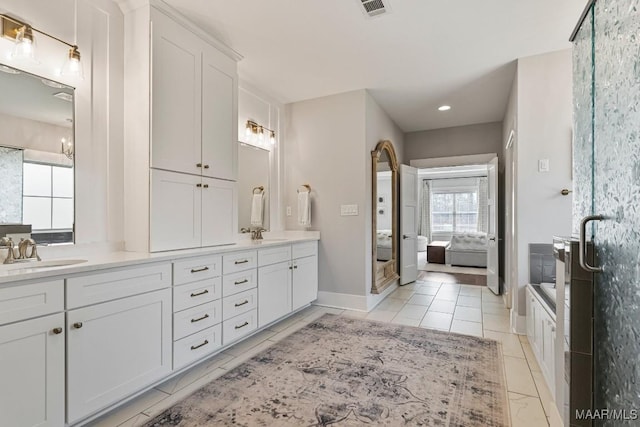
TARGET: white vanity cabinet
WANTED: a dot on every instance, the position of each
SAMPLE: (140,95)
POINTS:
(240,296)
(541,333)
(181,128)
(305,273)
(115,347)
(32,354)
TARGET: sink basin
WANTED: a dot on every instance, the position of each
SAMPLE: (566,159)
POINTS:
(37,265)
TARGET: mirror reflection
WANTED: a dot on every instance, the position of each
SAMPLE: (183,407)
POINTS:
(384,203)
(253,187)
(36,158)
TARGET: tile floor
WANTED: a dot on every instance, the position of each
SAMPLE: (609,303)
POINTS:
(464,309)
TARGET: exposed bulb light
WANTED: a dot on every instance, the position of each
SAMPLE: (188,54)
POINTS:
(247,130)
(72,66)
(261,134)
(255,134)
(272,137)
(444,108)
(67,148)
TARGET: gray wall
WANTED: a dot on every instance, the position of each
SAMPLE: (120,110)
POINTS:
(455,141)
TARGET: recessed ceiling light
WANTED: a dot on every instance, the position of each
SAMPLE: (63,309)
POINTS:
(444,108)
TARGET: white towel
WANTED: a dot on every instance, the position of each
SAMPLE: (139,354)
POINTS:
(304,208)
(257,210)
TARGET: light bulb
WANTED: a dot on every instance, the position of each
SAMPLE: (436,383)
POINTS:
(272,138)
(247,131)
(24,48)
(261,135)
(72,66)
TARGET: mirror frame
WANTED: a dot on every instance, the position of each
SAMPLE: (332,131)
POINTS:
(390,276)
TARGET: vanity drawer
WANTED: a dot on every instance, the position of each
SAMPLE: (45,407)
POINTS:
(239,326)
(301,250)
(194,269)
(239,303)
(192,320)
(274,255)
(196,346)
(116,283)
(192,294)
(26,301)
(239,282)
(239,261)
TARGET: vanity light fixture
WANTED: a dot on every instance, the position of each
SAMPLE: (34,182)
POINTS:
(444,108)
(67,148)
(256,131)
(24,48)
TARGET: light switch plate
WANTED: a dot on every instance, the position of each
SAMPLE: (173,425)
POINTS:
(543,165)
(288,210)
(348,210)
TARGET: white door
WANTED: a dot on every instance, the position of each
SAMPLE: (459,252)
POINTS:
(176,209)
(408,224)
(32,372)
(219,122)
(115,349)
(305,281)
(219,212)
(493,281)
(274,292)
(175,97)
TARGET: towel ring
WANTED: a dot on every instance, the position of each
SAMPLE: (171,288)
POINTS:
(259,190)
(307,186)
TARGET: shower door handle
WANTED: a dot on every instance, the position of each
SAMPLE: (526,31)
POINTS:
(582,247)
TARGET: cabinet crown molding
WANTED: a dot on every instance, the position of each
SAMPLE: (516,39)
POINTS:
(127,6)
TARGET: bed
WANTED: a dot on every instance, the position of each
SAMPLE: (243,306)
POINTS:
(384,245)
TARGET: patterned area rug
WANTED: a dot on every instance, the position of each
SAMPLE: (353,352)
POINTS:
(351,372)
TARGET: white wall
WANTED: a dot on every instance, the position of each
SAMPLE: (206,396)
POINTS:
(544,126)
(27,133)
(98,27)
(510,125)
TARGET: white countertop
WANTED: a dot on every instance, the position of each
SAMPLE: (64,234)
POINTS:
(11,273)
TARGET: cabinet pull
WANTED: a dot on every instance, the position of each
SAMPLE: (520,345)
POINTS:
(242,303)
(198,165)
(57,331)
(198,270)
(198,185)
(206,166)
(206,291)
(77,325)
(295,266)
(291,267)
(206,316)
(206,186)
(241,282)
(244,261)
(242,326)
(194,347)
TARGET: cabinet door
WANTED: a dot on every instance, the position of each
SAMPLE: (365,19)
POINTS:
(219,219)
(115,349)
(32,373)
(530,316)
(274,292)
(305,281)
(176,209)
(219,118)
(176,57)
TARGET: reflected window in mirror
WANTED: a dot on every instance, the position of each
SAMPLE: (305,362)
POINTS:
(36,157)
(253,187)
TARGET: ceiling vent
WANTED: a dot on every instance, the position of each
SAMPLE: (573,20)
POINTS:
(373,8)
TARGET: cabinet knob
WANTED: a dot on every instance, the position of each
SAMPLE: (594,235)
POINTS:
(198,165)
(198,185)
(206,166)
(206,186)
(77,325)
(57,331)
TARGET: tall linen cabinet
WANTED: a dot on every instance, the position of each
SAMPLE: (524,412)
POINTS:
(181,92)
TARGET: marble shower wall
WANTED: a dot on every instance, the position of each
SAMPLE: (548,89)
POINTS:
(11,189)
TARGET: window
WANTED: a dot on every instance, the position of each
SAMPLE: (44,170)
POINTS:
(454,211)
(47,197)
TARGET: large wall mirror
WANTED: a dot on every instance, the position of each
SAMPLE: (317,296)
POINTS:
(384,185)
(253,187)
(36,157)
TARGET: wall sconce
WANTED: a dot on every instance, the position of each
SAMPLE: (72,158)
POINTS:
(67,148)
(24,48)
(253,130)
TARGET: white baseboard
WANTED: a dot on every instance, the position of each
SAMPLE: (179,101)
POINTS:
(518,323)
(374,299)
(344,301)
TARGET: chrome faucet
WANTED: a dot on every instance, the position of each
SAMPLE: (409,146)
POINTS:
(8,243)
(256,233)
